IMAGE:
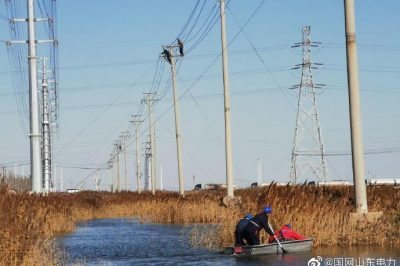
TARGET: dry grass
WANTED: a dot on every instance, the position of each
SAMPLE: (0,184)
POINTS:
(28,223)
(17,183)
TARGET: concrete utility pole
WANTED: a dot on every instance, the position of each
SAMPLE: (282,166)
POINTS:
(355,109)
(161,176)
(97,181)
(118,149)
(154,158)
(149,101)
(4,179)
(124,136)
(136,121)
(61,179)
(111,178)
(46,149)
(109,166)
(36,160)
(169,55)
(3,176)
(36,166)
(227,104)
(259,172)
(147,163)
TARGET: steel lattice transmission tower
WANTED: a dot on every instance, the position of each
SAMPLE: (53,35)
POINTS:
(308,157)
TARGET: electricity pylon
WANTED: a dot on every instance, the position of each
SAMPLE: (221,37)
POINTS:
(308,157)
(35,136)
(46,134)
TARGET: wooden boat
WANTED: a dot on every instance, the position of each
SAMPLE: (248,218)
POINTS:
(291,246)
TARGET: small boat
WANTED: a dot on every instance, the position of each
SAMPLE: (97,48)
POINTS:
(290,246)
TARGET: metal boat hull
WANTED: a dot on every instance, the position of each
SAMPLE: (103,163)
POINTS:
(292,246)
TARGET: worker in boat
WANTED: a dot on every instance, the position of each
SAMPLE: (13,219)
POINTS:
(286,233)
(239,229)
(252,230)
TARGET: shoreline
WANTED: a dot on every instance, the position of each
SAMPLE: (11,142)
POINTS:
(30,222)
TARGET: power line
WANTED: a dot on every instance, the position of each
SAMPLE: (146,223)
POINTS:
(205,28)
(101,113)
(195,21)
(215,59)
(189,19)
(155,79)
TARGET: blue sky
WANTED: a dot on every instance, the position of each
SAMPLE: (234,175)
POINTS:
(108,54)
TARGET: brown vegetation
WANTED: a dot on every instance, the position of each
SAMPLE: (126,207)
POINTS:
(28,223)
(17,183)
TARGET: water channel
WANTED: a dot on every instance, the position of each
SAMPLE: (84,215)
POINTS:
(128,242)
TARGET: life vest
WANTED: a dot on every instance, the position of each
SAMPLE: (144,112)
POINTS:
(286,233)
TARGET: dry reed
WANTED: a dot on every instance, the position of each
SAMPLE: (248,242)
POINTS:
(28,223)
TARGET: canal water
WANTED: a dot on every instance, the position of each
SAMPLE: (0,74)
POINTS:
(128,242)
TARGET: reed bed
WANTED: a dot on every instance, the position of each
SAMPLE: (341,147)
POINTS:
(29,223)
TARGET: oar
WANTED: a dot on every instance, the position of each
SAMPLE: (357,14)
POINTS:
(279,243)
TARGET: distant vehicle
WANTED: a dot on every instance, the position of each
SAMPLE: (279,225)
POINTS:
(210,186)
(334,183)
(310,183)
(214,186)
(373,182)
(255,184)
(385,181)
(72,190)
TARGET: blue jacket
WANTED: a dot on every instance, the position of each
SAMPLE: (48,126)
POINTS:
(259,222)
(241,225)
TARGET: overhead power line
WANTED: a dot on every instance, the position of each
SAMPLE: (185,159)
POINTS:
(101,113)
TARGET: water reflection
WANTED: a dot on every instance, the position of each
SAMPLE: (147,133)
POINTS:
(127,242)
